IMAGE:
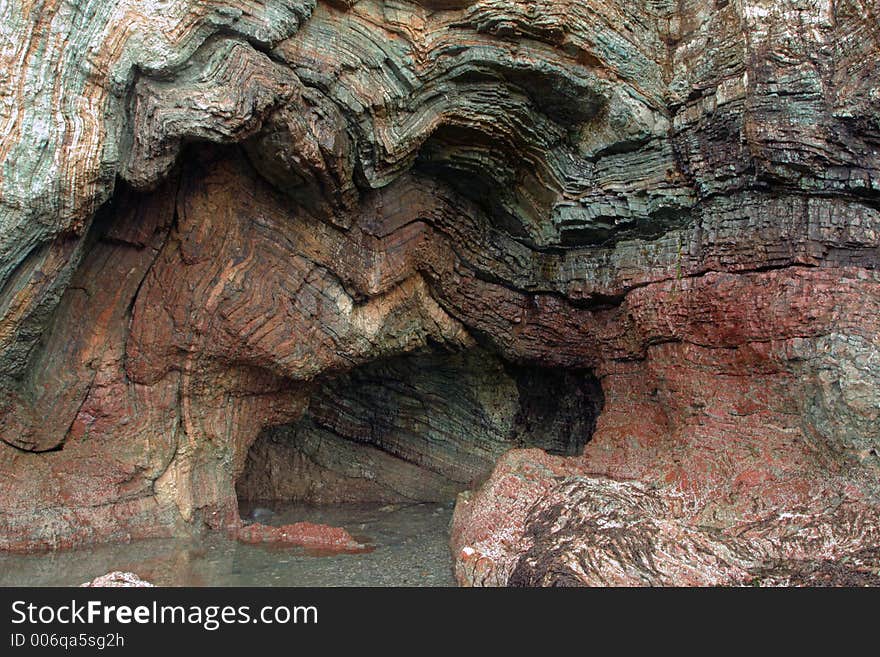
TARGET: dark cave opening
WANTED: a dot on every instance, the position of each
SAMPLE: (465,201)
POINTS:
(418,428)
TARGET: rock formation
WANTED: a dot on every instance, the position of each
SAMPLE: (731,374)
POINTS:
(118,579)
(303,534)
(362,250)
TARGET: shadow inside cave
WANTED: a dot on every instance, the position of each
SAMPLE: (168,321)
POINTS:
(420,427)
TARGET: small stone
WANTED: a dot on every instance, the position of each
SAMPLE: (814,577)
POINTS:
(118,578)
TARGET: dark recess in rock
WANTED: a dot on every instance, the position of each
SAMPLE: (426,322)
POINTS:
(420,427)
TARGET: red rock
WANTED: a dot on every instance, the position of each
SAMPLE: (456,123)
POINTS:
(533,525)
(302,534)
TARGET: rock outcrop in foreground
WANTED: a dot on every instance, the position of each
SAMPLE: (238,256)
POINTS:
(331,540)
(118,579)
(361,250)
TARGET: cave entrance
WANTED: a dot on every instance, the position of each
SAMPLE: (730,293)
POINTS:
(417,428)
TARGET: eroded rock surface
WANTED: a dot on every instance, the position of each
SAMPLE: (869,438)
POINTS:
(420,427)
(384,243)
(118,579)
(302,534)
(541,522)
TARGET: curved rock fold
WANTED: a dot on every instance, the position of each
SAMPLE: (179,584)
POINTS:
(605,270)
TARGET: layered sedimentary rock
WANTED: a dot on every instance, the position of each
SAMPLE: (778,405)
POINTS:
(423,427)
(360,250)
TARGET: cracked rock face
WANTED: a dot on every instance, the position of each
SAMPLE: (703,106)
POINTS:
(363,250)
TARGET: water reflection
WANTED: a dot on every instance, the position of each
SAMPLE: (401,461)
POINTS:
(410,549)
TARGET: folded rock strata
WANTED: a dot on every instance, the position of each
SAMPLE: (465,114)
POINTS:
(360,250)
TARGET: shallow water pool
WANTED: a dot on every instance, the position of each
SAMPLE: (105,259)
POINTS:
(410,548)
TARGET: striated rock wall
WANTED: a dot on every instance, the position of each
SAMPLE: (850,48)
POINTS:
(421,427)
(383,237)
